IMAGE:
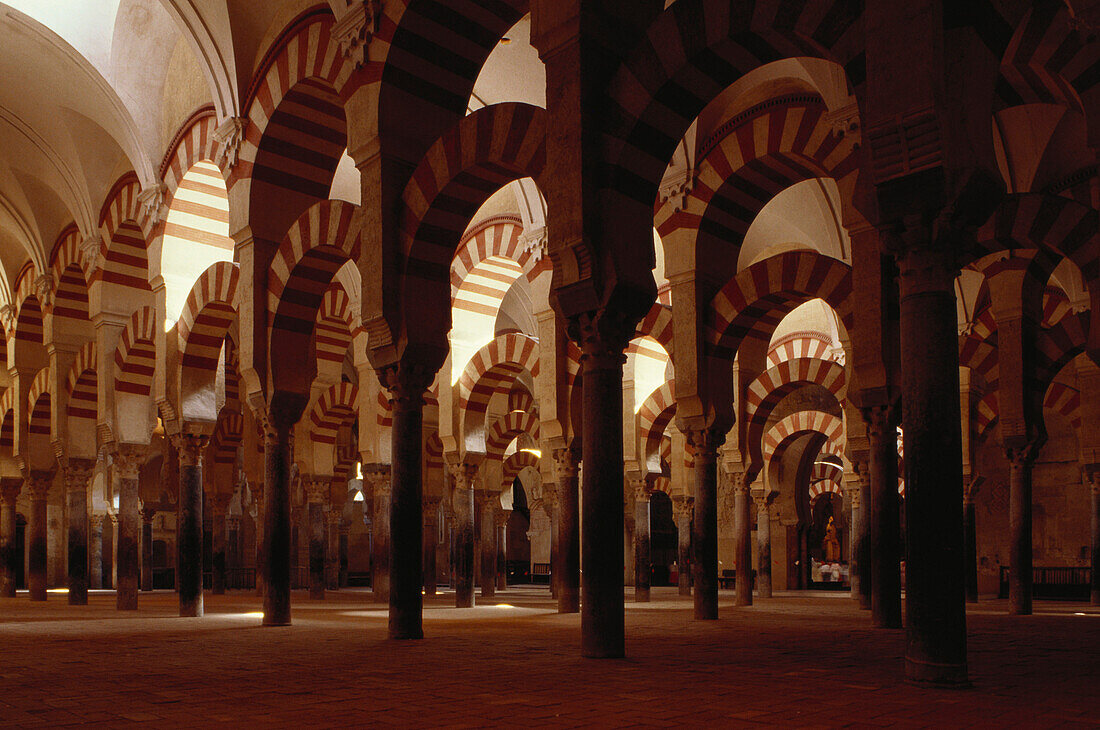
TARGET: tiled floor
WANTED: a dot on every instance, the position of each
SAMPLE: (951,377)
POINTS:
(794,660)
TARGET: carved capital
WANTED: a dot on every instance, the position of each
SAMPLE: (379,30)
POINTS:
(845,123)
(602,337)
(549,496)
(44,288)
(232,523)
(219,502)
(128,460)
(356,28)
(91,253)
(9,490)
(464,474)
(407,383)
(97,521)
(333,517)
(565,464)
(681,508)
(431,509)
(1024,455)
(641,487)
(7,318)
(148,513)
(501,515)
(706,442)
(154,201)
(675,190)
(77,473)
(377,477)
(38,485)
(191,447)
(535,242)
(228,136)
(881,422)
(316,490)
(257,490)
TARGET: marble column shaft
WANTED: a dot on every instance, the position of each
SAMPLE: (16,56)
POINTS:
(642,548)
(147,515)
(9,551)
(316,492)
(431,540)
(380,526)
(1020,463)
(38,486)
(864,541)
(567,537)
(501,517)
(95,552)
(764,549)
(190,527)
(278,456)
(970,545)
(704,536)
(682,512)
(218,544)
(742,529)
(884,528)
(488,530)
(77,473)
(464,535)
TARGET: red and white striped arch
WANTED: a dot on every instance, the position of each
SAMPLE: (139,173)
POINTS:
(337,323)
(123,230)
(294,99)
(986,413)
(228,434)
(71,297)
(520,399)
(335,407)
(495,367)
(799,344)
(7,420)
(1066,401)
(656,413)
(657,324)
(28,321)
(1050,222)
(827,470)
(516,463)
(499,237)
(136,353)
(756,300)
(39,398)
(507,429)
(193,143)
(831,427)
(81,383)
(207,315)
(433,450)
(825,486)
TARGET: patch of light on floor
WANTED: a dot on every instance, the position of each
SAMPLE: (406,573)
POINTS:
(252,614)
(505,605)
(57,590)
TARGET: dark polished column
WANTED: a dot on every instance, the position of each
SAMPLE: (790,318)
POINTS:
(1020,463)
(38,486)
(77,473)
(431,546)
(742,529)
(863,542)
(970,542)
(278,456)
(704,536)
(1092,480)
(95,552)
(316,493)
(342,554)
(190,529)
(883,527)
(550,507)
(486,507)
(464,476)
(233,563)
(9,551)
(500,517)
(332,548)
(147,515)
(603,611)
(935,593)
(567,538)
(219,542)
(764,548)
(681,509)
(642,554)
(258,499)
(380,530)
(127,462)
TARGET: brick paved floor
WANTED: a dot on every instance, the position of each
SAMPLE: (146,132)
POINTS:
(795,660)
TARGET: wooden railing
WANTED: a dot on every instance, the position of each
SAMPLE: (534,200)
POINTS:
(1066,583)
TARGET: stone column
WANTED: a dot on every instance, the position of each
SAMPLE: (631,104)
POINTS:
(464,476)
(219,506)
(147,515)
(316,493)
(259,519)
(862,540)
(764,548)
(567,537)
(9,551)
(551,508)
(1020,463)
(296,547)
(742,529)
(342,555)
(191,447)
(704,537)
(233,551)
(852,497)
(500,517)
(935,596)
(884,529)
(681,511)
(38,486)
(1092,480)
(95,552)
(278,456)
(642,556)
(77,473)
(485,505)
(332,550)
(380,525)
(431,540)
(127,463)
(970,542)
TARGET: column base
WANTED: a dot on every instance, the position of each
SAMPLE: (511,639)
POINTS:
(940,676)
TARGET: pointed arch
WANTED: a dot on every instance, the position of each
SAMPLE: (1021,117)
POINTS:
(507,428)
(335,407)
(136,353)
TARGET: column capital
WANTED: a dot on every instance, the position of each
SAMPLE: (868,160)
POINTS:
(681,507)
(1023,455)
(219,502)
(316,489)
(232,522)
(333,517)
(355,29)
(706,442)
(9,489)
(191,446)
(257,490)
(602,337)
(96,520)
(77,473)
(147,514)
(39,483)
(407,382)
(565,464)
(855,499)
(641,487)
(430,507)
(881,420)
(464,474)
(501,515)
(128,460)
(378,477)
